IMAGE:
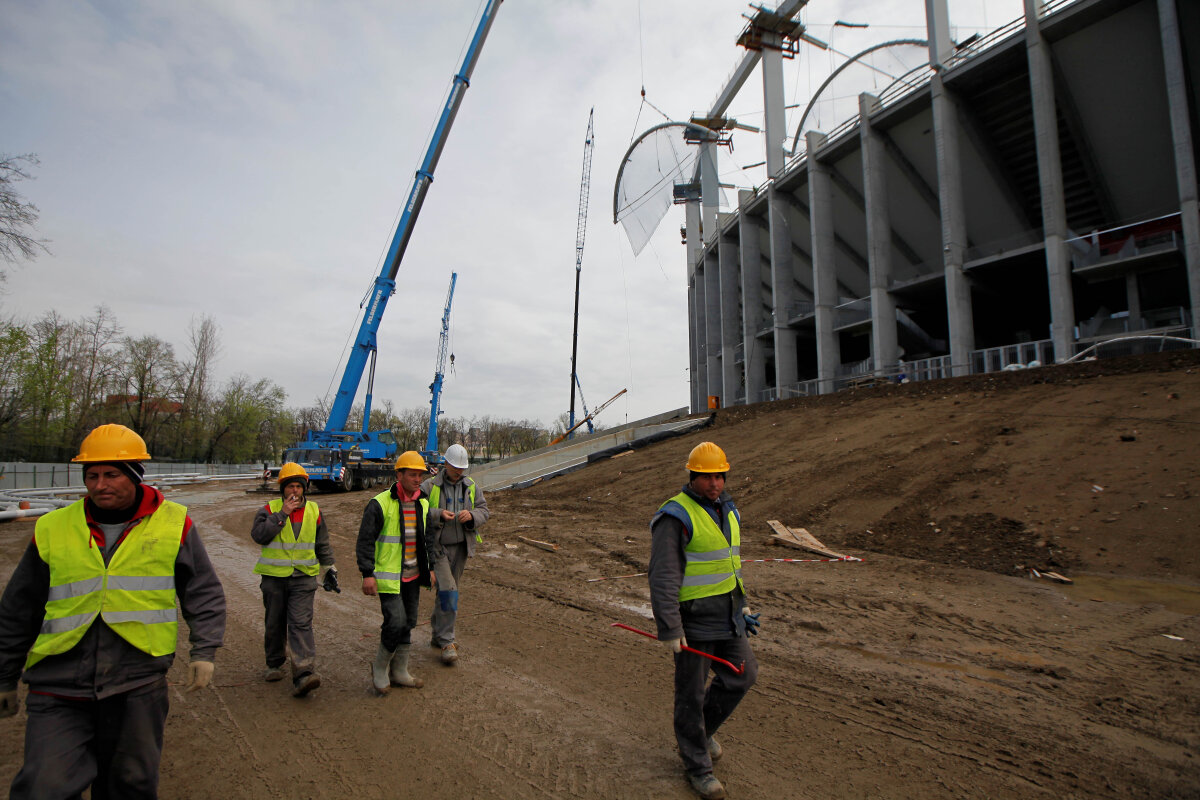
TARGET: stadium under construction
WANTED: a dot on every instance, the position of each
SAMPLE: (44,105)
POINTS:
(1014,200)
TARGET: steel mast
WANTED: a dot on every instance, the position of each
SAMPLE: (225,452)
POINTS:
(580,232)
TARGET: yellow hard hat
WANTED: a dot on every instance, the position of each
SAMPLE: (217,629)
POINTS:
(410,459)
(292,470)
(112,443)
(707,457)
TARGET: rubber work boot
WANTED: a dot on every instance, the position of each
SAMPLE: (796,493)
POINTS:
(399,671)
(714,749)
(379,670)
(450,654)
(707,786)
(305,684)
(273,674)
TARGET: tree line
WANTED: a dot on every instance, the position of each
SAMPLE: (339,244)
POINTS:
(60,378)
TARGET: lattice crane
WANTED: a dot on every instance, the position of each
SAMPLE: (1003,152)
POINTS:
(580,233)
(430,453)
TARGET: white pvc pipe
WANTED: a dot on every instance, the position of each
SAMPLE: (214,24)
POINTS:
(23,512)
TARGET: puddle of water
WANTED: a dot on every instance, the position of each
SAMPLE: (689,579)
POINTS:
(1173,596)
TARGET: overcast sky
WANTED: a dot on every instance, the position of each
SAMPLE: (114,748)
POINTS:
(246,160)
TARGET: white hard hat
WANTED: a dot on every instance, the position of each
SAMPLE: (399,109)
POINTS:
(456,456)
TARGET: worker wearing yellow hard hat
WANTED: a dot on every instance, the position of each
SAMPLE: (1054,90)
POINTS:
(397,555)
(699,605)
(295,550)
(104,575)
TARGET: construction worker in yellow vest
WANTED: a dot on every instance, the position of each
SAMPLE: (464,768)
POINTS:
(699,603)
(396,556)
(458,512)
(295,549)
(90,611)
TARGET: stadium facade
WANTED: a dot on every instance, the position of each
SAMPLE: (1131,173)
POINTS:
(1017,199)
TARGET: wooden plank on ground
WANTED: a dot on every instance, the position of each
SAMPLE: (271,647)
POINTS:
(536,543)
(799,538)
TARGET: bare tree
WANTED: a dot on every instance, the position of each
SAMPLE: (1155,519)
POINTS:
(94,368)
(150,382)
(17,215)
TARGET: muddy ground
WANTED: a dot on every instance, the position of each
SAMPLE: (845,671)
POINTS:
(937,667)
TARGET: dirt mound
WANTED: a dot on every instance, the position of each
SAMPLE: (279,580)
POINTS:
(1086,467)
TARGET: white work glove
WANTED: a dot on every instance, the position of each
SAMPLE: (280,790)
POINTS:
(199,675)
(675,645)
(8,703)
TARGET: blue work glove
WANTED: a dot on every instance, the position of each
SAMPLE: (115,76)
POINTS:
(751,621)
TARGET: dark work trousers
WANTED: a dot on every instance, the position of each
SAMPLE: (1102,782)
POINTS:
(699,711)
(112,745)
(399,615)
(289,622)
(442,622)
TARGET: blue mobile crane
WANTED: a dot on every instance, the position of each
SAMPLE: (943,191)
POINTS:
(336,458)
(430,453)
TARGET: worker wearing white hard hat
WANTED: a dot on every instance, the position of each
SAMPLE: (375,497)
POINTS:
(459,510)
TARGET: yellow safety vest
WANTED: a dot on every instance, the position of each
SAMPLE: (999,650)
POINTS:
(435,497)
(285,552)
(712,565)
(134,594)
(389,546)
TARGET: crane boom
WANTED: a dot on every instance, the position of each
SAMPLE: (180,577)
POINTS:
(385,283)
(430,453)
(580,232)
(592,415)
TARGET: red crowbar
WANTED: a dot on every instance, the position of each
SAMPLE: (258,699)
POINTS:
(736,669)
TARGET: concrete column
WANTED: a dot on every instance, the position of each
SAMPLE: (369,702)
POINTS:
(782,290)
(691,212)
(937,22)
(775,127)
(954,227)
(712,322)
(1185,159)
(731,320)
(1054,209)
(753,356)
(1134,295)
(885,344)
(820,205)
(710,191)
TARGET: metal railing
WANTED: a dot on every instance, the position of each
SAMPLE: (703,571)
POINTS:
(852,313)
(1159,234)
(37,475)
(1012,356)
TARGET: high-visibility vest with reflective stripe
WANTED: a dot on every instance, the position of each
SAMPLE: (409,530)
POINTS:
(389,546)
(134,594)
(712,565)
(286,552)
(435,497)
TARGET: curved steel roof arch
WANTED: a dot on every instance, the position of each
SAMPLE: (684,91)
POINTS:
(852,60)
(703,131)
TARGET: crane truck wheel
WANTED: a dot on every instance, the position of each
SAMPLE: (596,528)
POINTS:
(347,481)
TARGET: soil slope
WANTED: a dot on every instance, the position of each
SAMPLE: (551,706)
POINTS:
(936,667)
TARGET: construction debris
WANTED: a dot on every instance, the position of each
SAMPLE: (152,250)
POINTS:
(536,543)
(800,539)
(1050,576)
